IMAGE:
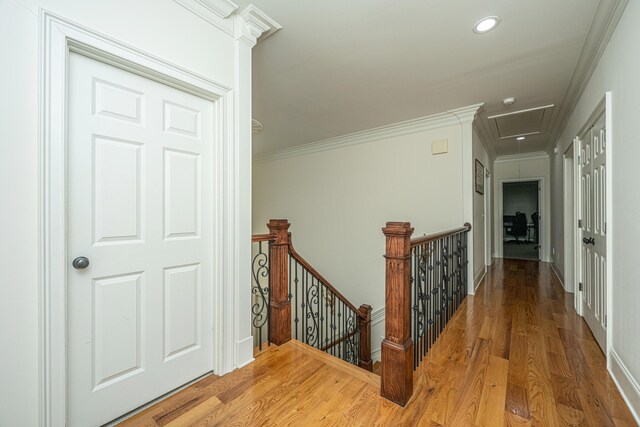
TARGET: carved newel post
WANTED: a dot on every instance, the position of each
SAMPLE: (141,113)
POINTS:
(365,337)
(280,306)
(397,346)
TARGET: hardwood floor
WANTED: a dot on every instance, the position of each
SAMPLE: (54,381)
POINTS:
(515,354)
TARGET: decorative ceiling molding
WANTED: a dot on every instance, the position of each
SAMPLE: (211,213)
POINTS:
(483,132)
(523,156)
(449,118)
(259,23)
(222,8)
(214,12)
(602,26)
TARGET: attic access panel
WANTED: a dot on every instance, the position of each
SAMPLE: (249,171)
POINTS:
(526,122)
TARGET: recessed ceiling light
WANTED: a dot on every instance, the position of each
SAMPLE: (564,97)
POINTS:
(520,138)
(486,24)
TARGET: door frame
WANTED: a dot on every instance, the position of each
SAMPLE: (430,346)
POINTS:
(569,205)
(488,232)
(500,214)
(603,107)
(59,37)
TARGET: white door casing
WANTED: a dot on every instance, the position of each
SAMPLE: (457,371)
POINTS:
(499,229)
(488,219)
(140,208)
(593,235)
(59,38)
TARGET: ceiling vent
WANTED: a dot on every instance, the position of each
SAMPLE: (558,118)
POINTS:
(525,122)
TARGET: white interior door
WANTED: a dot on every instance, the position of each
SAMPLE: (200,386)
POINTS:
(593,230)
(140,209)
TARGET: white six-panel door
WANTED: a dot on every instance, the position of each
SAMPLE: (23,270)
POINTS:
(593,175)
(140,209)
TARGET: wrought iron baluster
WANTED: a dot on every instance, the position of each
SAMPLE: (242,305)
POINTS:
(438,280)
(260,307)
(296,320)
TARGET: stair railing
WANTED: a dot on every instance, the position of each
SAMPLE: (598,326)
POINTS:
(291,299)
(426,282)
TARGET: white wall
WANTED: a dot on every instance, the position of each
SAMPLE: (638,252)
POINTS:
(480,153)
(338,201)
(526,167)
(618,72)
(161,28)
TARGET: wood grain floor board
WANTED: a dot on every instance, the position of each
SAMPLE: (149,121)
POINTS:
(515,354)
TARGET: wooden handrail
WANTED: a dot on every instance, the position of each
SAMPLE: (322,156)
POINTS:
(281,253)
(262,237)
(436,236)
(295,255)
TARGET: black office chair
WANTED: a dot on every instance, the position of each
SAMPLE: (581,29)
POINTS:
(519,228)
(535,219)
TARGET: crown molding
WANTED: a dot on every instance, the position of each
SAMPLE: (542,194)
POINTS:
(448,118)
(259,23)
(467,114)
(605,20)
(523,156)
(214,12)
(484,133)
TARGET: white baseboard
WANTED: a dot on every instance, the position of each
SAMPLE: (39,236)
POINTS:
(479,277)
(559,274)
(244,352)
(627,385)
(376,355)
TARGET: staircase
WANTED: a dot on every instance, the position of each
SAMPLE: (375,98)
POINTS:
(292,300)
(426,281)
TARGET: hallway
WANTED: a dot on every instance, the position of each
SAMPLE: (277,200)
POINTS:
(515,354)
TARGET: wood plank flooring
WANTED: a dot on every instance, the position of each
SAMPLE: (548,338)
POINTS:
(515,354)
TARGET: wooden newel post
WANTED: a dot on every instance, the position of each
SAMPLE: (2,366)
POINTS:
(397,346)
(365,337)
(279,305)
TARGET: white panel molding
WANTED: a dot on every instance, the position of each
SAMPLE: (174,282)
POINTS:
(244,351)
(59,37)
(377,317)
(626,383)
(523,156)
(605,20)
(421,124)
(214,12)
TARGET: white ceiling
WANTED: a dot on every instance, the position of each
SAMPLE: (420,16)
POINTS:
(338,67)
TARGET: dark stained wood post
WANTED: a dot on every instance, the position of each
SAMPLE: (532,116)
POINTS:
(397,346)
(365,337)
(280,306)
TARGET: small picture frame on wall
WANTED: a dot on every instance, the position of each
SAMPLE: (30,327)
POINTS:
(479,177)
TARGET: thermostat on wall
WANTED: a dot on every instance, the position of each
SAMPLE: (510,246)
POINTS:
(440,147)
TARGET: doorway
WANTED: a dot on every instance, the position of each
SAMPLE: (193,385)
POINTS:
(140,215)
(569,220)
(593,211)
(521,220)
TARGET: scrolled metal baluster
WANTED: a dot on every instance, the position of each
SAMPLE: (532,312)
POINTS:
(313,301)
(260,308)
